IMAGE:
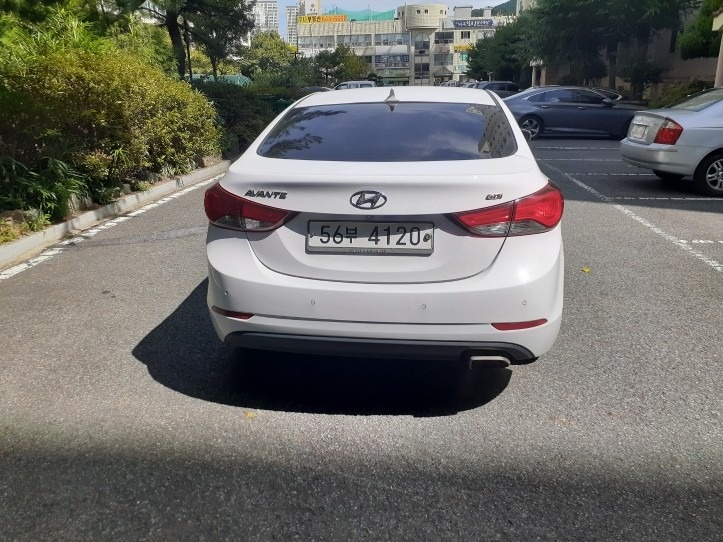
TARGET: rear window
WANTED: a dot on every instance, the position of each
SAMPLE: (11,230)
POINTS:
(698,102)
(404,132)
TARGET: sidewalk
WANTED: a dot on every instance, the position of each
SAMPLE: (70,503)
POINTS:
(26,247)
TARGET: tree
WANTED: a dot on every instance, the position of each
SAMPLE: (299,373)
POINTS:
(267,53)
(339,65)
(217,31)
(698,38)
(578,32)
(214,25)
(500,55)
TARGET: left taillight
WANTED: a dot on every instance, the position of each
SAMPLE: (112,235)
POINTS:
(227,210)
(536,213)
(668,133)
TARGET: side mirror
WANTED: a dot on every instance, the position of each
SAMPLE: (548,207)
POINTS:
(608,102)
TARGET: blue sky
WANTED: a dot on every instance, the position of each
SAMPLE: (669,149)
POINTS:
(379,5)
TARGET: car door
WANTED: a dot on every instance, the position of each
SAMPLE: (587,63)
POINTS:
(592,115)
(555,108)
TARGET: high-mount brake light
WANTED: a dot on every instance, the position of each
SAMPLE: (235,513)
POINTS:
(227,210)
(668,133)
(536,213)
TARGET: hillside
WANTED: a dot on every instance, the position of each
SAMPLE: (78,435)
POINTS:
(508,8)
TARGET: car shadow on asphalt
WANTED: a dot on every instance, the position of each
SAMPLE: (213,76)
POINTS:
(184,354)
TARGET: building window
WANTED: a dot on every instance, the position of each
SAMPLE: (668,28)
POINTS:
(465,35)
(426,11)
(443,60)
(419,11)
(391,39)
(443,37)
(421,42)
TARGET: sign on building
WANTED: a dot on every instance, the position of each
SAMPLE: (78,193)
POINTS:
(311,19)
(474,23)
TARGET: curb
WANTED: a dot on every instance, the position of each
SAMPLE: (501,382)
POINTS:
(25,247)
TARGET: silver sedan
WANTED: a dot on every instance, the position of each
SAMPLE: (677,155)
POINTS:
(684,139)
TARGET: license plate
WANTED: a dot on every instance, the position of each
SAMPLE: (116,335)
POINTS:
(370,237)
(637,131)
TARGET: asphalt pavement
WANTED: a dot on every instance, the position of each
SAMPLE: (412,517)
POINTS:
(123,417)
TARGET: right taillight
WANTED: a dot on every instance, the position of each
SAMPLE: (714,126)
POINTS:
(536,213)
(668,133)
(227,210)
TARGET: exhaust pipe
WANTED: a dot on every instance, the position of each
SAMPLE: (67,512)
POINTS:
(487,362)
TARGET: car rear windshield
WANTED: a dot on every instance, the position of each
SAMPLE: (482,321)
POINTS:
(401,132)
(700,101)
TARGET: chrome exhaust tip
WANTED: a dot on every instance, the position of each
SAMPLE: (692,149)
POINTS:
(487,362)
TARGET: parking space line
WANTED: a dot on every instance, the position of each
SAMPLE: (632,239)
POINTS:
(577,148)
(688,247)
(83,236)
(613,174)
(581,160)
(662,198)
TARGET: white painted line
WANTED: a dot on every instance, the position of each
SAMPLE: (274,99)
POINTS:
(614,174)
(652,227)
(578,148)
(678,198)
(83,236)
(581,160)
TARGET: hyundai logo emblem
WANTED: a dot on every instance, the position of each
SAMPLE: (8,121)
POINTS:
(367,199)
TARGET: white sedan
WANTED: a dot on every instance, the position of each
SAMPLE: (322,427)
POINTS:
(408,222)
(684,139)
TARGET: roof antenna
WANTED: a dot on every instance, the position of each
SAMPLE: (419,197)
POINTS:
(391,100)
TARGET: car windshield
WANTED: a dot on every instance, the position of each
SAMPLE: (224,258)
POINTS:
(698,102)
(381,132)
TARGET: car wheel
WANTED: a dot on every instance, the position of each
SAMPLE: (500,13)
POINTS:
(532,125)
(667,177)
(708,178)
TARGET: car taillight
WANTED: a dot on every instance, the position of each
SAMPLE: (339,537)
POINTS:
(537,213)
(227,210)
(668,133)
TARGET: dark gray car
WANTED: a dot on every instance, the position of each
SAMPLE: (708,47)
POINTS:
(570,111)
(501,88)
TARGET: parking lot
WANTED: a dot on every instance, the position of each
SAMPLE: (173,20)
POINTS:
(122,416)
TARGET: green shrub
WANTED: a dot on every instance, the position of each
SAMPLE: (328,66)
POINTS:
(678,91)
(47,188)
(242,113)
(71,96)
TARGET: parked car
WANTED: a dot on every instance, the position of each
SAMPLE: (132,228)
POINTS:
(565,110)
(501,88)
(684,139)
(303,91)
(354,84)
(613,95)
(410,222)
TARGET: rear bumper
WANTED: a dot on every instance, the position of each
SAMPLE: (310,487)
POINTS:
(437,320)
(680,160)
(375,348)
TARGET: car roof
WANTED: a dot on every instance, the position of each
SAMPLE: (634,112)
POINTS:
(401,94)
(546,88)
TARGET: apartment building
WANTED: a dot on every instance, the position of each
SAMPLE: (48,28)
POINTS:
(266,16)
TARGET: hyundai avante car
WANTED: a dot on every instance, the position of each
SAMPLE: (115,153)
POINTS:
(408,222)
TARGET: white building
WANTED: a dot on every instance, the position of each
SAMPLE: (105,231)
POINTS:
(310,7)
(292,13)
(266,16)
(415,44)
